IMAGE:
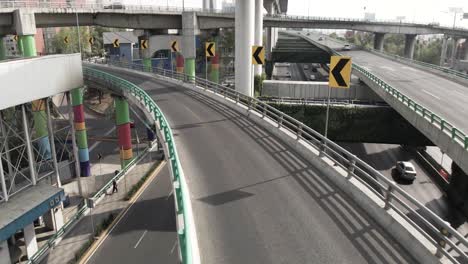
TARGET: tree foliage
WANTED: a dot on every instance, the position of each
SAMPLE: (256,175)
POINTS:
(96,49)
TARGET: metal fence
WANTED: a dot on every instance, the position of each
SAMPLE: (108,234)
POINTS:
(439,233)
(83,209)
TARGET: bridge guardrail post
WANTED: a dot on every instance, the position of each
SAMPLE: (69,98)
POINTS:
(351,166)
(237,98)
(280,121)
(322,148)
(441,244)
(299,132)
(388,197)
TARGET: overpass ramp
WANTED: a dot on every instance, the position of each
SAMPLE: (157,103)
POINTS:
(256,200)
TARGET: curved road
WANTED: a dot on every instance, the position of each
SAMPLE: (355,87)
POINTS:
(254,199)
(444,97)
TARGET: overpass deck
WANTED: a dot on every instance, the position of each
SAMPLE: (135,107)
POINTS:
(255,200)
(445,97)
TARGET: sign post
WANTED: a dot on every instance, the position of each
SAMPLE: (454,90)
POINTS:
(209,52)
(174,48)
(258,58)
(339,77)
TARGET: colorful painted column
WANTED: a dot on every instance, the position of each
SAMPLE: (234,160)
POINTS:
(179,63)
(2,49)
(28,46)
(122,118)
(40,127)
(190,68)
(215,68)
(147,66)
(80,131)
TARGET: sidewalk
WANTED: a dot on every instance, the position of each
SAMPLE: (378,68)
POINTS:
(80,235)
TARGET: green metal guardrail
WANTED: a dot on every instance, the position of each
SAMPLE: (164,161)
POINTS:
(182,197)
(400,58)
(439,233)
(454,133)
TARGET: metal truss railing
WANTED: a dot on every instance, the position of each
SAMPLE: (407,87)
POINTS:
(448,241)
(83,209)
(182,197)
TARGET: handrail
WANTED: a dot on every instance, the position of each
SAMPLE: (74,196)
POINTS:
(400,58)
(436,230)
(82,211)
(455,133)
(181,194)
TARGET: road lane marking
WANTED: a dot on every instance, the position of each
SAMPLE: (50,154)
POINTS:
(95,246)
(141,238)
(435,96)
(174,246)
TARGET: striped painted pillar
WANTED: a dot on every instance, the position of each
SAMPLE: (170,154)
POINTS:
(122,119)
(2,49)
(215,69)
(38,108)
(80,131)
(179,63)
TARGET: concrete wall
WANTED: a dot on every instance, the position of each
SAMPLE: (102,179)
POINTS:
(30,79)
(317,90)
(163,42)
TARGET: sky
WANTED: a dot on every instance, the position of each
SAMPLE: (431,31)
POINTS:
(424,11)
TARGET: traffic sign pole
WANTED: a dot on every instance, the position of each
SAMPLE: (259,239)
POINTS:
(328,113)
(206,72)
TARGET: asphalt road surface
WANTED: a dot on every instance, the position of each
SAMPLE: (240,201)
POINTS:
(254,199)
(147,233)
(444,97)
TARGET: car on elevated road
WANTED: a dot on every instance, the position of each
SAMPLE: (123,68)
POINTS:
(406,170)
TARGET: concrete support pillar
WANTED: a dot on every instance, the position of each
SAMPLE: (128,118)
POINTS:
(4,253)
(179,63)
(453,55)
(379,41)
(80,131)
(244,39)
(258,38)
(189,32)
(410,41)
(2,49)
(214,74)
(57,214)
(122,120)
(269,34)
(40,127)
(30,240)
(145,54)
(443,52)
(465,56)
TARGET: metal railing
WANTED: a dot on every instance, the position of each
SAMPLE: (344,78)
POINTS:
(439,233)
(404,59)
(181,194)
(455,134)
(57,4)
(285,17)
(82,210)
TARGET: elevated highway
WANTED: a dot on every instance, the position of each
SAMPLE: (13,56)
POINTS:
(256,200)
(162,17)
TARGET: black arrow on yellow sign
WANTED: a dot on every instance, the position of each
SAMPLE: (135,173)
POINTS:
(258,55)
(144,44)
(15,38)
(210,49)
(65,40)
(116,43)
(174,46)
(340,72)
(91,40)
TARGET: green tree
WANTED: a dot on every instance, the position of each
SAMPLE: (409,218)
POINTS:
(96,49)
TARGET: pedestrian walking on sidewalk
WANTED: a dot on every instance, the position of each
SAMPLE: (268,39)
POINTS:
(114,186)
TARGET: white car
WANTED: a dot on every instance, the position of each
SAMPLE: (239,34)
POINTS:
(347,47)
(406,170)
